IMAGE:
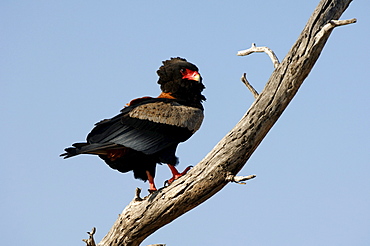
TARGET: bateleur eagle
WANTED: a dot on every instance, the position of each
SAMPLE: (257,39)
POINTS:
(148,130)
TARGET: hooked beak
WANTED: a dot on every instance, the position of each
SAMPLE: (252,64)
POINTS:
(190,75)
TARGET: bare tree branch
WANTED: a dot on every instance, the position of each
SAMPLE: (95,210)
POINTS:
(251,50)
(239,179)
(143,217)
(90,241)
(249,86)
(267,50)
(333,23)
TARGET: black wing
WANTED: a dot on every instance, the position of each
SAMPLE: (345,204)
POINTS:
(149,127)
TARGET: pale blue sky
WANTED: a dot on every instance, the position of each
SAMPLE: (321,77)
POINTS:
(65,65)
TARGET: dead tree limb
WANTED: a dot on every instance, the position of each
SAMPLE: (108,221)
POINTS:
(90,241)
(251,50)
(144,216)
(249,86)
(267,50)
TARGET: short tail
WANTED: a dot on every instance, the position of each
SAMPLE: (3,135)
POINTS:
(85,148)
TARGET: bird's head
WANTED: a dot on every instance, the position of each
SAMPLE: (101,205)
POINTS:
(181,79)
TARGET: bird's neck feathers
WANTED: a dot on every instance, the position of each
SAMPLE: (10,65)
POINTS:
(166,95)
(187,91)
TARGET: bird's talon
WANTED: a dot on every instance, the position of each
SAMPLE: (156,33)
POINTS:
(176,175)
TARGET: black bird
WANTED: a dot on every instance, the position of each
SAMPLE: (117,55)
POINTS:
(148,130)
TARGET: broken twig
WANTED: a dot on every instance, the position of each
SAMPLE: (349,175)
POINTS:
(90,241)
(250,87)
(239,179)
(137,195)
(254,49)
(333,23)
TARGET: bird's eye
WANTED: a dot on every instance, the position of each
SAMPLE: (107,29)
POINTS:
(182,70)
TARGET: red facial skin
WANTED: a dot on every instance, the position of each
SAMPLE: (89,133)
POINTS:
(190,75)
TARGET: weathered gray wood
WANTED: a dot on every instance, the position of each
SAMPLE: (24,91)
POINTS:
(90,241)
(143,217)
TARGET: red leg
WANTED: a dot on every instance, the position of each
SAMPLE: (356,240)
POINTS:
(175,173)
(152,187)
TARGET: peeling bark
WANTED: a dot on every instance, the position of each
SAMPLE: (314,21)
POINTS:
(143,217)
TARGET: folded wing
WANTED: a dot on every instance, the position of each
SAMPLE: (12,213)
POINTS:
(149,127)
